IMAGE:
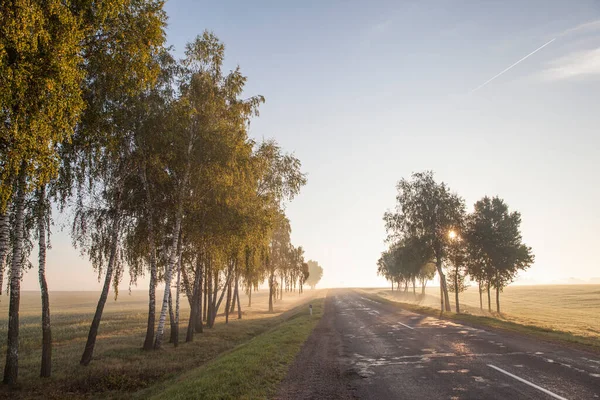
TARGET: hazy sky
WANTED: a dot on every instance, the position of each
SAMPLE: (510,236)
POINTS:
(365,93)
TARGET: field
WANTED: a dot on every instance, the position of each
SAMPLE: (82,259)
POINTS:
(120,368)
(264,343)
(568,308)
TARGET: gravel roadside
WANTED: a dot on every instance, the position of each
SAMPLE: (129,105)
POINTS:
(316,372)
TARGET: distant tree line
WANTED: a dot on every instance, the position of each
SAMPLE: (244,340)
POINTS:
(315,273)
(151,157)
(430,232)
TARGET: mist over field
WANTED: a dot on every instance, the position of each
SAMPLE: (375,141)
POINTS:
(299,200)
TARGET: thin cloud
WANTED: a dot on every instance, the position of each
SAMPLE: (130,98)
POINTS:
(578,64)
(590,26)
(511,66)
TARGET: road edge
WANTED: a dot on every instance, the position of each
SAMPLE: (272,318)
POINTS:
(546,334)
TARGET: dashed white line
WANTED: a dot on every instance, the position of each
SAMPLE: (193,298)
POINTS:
(409,327)
(533,385)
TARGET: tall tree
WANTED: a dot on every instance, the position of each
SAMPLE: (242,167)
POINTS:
(457,255)
(40,103)
(315,273)
(279,246)
(495,233)
(122,43)
(476,261)
(211,128)
(4,244)
(426,273)
(43,222)
(427,210)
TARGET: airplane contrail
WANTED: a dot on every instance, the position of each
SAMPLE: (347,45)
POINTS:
(522,59)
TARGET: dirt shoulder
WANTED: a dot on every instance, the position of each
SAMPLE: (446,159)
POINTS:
(316,372)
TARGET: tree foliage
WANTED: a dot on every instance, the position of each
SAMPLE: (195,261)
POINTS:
(426,210)
(151,154)
(429,227)
(315,273)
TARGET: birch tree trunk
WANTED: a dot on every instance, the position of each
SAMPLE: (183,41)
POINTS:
(46,368)
(149,341)
(91,341)
(498,299)
(209,301)
(186,286)
(443,284)
(441,296)
(200,277)
(4,230)
(212,307)
(237,296)
(235,288)
(456,291)
(196,305)
(177,292)
(228,303)
(171,319)
(11,369)
(480,296)
(271,279)
(174,249)
(281,289)
(489,297)
(168,275)
(205,307)
(218,305)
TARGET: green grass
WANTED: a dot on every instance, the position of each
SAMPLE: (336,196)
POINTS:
(251,371)
(496,322)
(120,368)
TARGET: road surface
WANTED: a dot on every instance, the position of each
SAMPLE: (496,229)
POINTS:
(368,350)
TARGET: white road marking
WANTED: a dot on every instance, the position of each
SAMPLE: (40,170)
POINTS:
(533,385)
(409,327)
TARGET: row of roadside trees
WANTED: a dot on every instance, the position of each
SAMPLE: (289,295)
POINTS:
(150,157)
(431,232)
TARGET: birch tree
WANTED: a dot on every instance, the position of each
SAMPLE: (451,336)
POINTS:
(495,232)
(40,103)
(427,210)
(123,42)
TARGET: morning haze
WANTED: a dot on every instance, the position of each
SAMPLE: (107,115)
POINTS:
(299,200)
(365,95)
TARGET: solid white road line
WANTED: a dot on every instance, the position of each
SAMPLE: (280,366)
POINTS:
(409,327)
(533,385)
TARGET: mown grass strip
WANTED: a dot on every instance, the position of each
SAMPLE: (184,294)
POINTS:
(548,334)
(250,371)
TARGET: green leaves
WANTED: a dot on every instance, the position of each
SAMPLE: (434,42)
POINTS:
(40,88)
(430,223)
(495,242)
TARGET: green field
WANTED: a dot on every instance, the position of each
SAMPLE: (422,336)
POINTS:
(120,368)
(568,308)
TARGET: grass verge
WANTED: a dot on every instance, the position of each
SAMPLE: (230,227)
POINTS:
(120,367)
(589,343)
(250,371)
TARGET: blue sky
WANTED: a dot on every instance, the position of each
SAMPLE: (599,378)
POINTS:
(366,93)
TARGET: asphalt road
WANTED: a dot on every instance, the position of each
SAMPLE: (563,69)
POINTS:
(368,350)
